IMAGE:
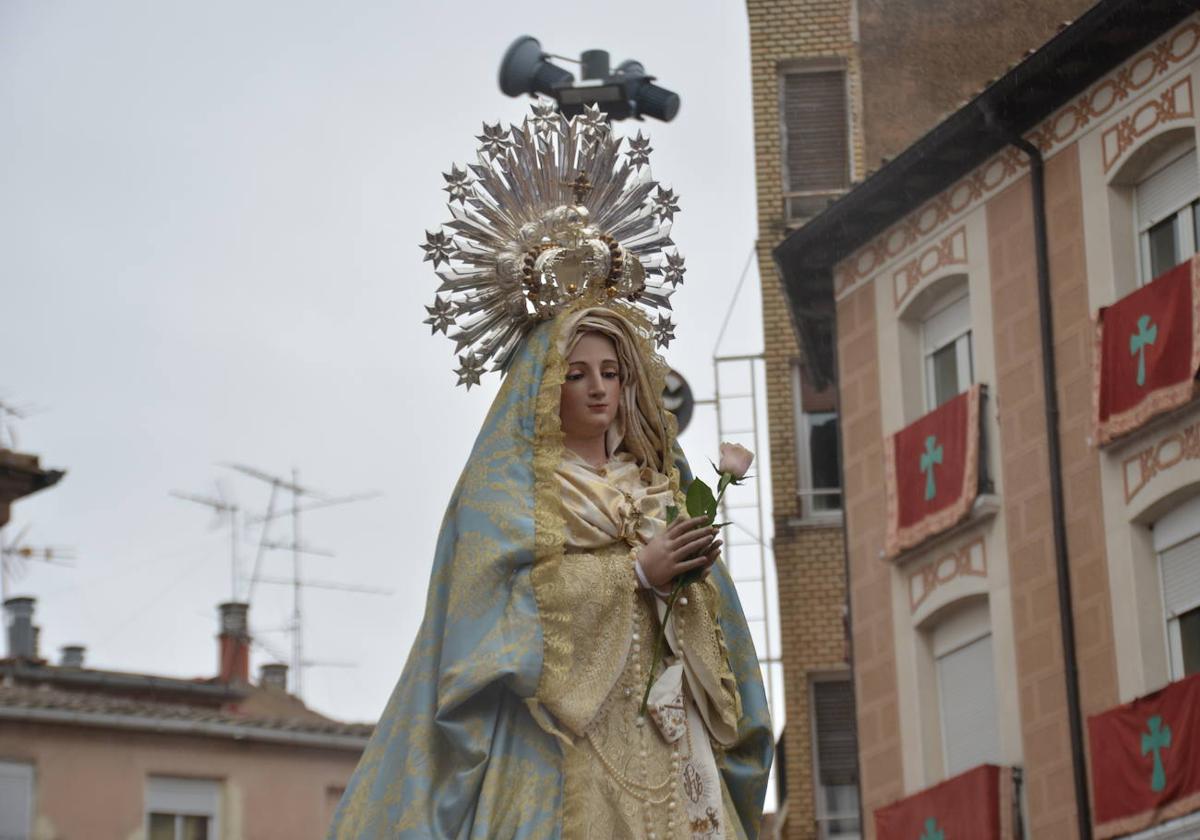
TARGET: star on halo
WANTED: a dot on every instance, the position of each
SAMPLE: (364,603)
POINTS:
(458,184)
(592,123)
(545,117)
(469,370)
(438,247)
(494,140)
(639,150)
(666,204)
(441,316)
(664,331)
(674,271)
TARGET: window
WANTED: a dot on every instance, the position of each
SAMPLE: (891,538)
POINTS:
(16,800)
(819,480)
(815,140)
(1168,224)
(835,759)
(962,652)
(946,345)
(1177,542)
(182,809)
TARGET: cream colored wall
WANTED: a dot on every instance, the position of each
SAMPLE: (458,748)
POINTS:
(1139,625)
(902,402)
(90,783)
(1135,588)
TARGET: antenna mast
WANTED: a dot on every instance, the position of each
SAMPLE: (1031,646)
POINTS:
(15,555)
(297,548)
(221,506)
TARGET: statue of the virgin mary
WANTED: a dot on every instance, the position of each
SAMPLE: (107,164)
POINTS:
(518,713)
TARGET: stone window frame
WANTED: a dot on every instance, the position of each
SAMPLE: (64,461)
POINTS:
(1176,527)
(184,797)
(933,299)
(929,687)
(805,492)
(1127,251)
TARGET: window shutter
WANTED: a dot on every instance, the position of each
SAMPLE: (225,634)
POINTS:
(1181,577)
(815,129)
(967,687)
(1167,190)
(947,324)
(837,753)
(16,799)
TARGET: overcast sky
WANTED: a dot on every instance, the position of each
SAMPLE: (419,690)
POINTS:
(209,220)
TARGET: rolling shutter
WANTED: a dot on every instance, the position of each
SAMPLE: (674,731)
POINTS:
(815,131)
(16,799)
(1181,577)
(837,754)
(1177,541)
(1167,190)
(966,683)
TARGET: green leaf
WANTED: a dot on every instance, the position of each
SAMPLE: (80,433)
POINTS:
(672,513)
(700,500)
(726,480)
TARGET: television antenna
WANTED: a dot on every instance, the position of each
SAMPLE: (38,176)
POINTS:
(15,557)
(8,431)
(303,500)
(222,508)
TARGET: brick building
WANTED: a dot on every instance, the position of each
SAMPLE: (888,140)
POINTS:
(93,753)
(1021,473)
(839,86)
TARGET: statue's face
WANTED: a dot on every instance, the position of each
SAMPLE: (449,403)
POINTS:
(591,393)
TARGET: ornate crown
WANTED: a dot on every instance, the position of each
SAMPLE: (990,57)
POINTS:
(548,216)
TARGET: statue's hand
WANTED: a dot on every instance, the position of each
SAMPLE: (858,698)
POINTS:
(686,544)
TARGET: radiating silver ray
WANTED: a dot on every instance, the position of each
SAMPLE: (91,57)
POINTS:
(540,196)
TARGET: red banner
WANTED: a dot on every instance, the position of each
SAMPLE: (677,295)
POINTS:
(1146,759)
(931,472)
(976,804)
(1147,352)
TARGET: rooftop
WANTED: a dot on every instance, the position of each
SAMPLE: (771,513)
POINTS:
(259,717)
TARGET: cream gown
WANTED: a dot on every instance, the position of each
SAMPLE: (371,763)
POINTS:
(628,777)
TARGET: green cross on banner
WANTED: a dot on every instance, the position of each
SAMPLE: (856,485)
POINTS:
(930,457)
(1146,335)
(932,832)
(1156,740)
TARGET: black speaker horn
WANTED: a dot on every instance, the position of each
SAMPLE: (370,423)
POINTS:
(524,69)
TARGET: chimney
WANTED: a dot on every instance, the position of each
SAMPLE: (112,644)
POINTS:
(72,656)
(273,675)
(18,618)
(233,664)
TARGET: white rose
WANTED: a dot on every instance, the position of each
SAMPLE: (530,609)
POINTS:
(735,460)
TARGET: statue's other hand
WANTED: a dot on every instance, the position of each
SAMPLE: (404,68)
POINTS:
(686,544)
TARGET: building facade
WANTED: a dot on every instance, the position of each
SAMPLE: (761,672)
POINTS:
(838,87)
(87,753)
(1015,304)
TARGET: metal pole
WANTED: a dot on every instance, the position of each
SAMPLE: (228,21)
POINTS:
(233,559)
(1057,498)
(262,541)
(762,549)
(297,627)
